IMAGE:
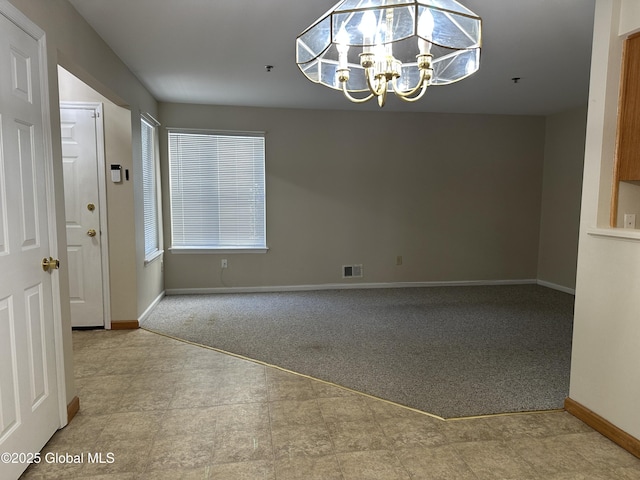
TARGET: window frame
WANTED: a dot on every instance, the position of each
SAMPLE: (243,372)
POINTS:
(149,121)
(216,249)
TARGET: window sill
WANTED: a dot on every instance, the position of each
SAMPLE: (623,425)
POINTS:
(215,251)
(152,257)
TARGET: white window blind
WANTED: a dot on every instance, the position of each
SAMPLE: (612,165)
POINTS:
(217,183)
(150,189)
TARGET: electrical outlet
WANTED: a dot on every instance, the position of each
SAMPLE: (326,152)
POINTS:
(629,220)
(399,260)
(223,263)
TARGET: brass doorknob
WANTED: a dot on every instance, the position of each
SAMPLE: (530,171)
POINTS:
(50,264)
(91,232)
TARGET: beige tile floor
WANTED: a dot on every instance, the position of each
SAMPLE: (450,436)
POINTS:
(166,409)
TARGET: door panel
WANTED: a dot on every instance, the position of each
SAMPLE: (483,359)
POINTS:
(76,279)
(9,395)
(80,163)
(3,198)
(37,344)
(29,408)
(25,157)
(21,74)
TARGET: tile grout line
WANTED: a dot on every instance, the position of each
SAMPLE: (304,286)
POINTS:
(273,448)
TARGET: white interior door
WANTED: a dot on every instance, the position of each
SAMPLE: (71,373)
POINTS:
(79,125)
(29,403)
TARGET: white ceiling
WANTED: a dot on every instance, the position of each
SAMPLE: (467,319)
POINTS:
(215,52)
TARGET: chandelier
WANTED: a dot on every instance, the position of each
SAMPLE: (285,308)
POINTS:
(382,46)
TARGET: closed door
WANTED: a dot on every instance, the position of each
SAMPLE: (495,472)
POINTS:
(29,403)
(82,207)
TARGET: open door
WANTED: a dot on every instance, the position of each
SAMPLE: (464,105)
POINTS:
(29,391)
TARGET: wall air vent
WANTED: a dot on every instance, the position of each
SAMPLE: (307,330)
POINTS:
(352,271)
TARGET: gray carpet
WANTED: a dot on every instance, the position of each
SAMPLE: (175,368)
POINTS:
(449,351)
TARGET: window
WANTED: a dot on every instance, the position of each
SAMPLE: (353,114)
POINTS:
(148,127)
(217,186)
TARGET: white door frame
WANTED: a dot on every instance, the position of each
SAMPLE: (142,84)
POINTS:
(21,20)
(97,107)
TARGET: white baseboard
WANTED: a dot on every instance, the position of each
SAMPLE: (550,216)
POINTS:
(555,286)
(146,313)
(344,286)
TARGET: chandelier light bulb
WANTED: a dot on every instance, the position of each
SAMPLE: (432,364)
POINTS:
(425,31)
(368,27)
(342,44)
(379,50)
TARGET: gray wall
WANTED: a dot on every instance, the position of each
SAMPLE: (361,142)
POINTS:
(561,193)
(458,196)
